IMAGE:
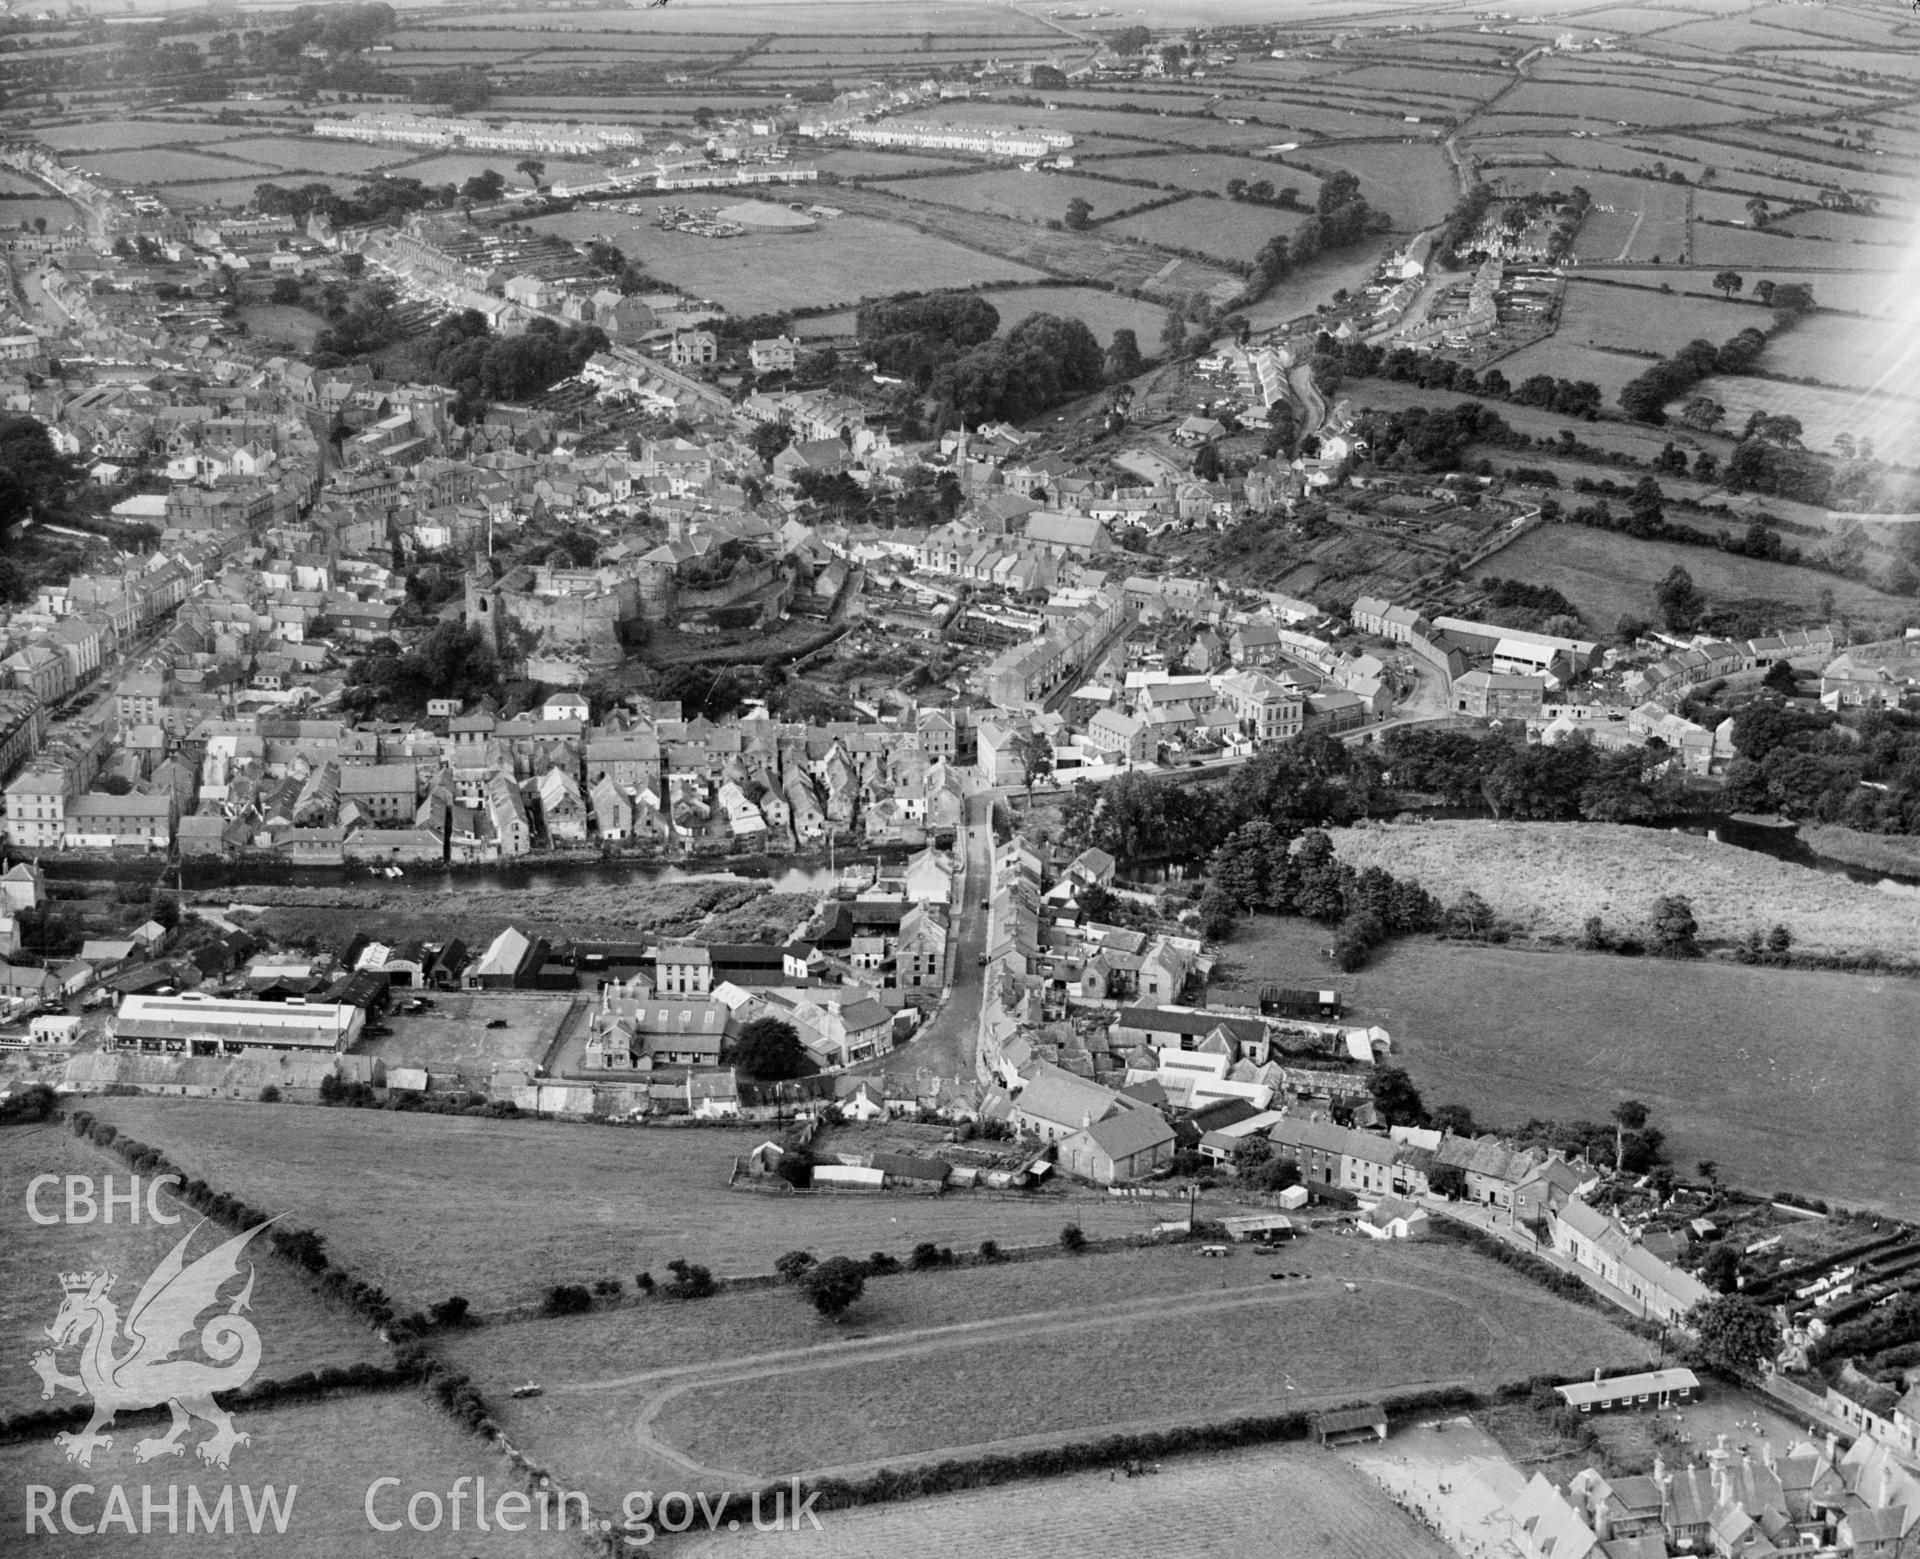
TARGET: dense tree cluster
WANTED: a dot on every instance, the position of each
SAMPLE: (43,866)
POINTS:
(1262,867)
(1303,785)
(453,661)
(1430,438)
(377,200)
(1645,398)
(1864,774)
(464,354)
(1572,780)
(1041,362)
(1341,216)
(914,335)
(35,478)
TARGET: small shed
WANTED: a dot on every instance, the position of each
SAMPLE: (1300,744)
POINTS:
(1254,1226)
(910,1171)
(1351,1425)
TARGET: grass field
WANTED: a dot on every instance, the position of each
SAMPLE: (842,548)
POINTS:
(1838,350)
(1222,229)
(311,154)
(633,1199)
(1286,1503)
(1030,197)
(330,1452)
(283,322)
(299,1331)
(1609,104)
(846,261)
(1789,1080)
(929,1363)
(1206,171)
(1547,878)
(1607,575)
(108,135)
(168,167)
(1889,420)
(1411,181)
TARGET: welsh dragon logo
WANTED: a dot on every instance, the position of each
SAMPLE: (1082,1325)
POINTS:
(147,1374)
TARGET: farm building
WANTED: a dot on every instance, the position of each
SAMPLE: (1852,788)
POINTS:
(1651,1388)
(198,1026)
(1127,1146)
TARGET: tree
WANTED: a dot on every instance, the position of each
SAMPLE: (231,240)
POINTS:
(1072,1239)
(1448,1180)
(1034,754)
(1779,944)
(1217,913)
(1729,282)
(1734,1333)
(1720,1270)
(1780,678)
(285,290)
(1250,1152)
(1469,915)
(1674,930)
(769,1049)
(1124,360)
(795,1265)
(1628,1115)
(1173,334)
(1680,601)
(1395,1098)
(1758,211)
(1079,214)
(834,1285)
(532,167)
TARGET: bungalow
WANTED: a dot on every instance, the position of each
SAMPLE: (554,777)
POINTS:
(1393,1219)
(1653,1388)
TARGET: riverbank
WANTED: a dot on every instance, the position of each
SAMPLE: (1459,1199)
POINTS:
(1545,880)
(1897,854)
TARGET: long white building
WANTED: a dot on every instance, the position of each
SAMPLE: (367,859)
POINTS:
(205,1025)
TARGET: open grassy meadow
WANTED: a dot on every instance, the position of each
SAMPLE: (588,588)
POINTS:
(933,1363)
(1280,1503)
(1029,197)
(1545,879)
(1888,419)
(170,167)
(844,261)
(1221,229)
(322,1456)
(299,1331)
(1606,574)
(1790,1080)
(499,1210)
